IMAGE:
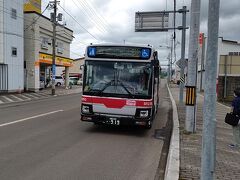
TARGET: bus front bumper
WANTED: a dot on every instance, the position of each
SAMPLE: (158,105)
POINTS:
(114,120)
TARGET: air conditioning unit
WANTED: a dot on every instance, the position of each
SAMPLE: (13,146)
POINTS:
(59,50)
(44,46)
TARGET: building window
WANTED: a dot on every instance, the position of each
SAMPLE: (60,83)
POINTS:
(14,13)
(44,43)
(60,47)
(14,51)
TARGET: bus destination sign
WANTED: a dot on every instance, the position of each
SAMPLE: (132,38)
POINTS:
(119,52)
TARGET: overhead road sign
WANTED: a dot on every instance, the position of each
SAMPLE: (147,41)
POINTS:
(151,21)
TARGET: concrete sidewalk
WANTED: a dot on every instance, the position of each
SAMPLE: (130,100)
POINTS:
(61,90)
(45,93)
(227,159)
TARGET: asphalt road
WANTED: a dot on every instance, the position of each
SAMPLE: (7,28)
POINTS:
(46,140)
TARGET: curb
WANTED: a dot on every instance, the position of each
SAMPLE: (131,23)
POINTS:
(173,160)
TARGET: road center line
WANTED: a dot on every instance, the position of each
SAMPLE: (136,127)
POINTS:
(33,117)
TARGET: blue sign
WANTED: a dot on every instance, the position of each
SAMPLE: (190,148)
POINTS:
(53,71)
(145,53)
(91,51)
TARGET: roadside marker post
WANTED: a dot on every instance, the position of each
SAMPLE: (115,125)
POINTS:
(191,95)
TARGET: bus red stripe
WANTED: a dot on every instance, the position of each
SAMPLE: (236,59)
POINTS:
(116,102)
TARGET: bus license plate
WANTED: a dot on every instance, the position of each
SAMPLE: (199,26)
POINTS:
(114,121)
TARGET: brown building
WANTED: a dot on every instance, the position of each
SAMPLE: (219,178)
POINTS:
(75,69)
(229,76)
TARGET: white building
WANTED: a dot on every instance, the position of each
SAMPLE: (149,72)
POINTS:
(38,48)
(224,48)
(11,46)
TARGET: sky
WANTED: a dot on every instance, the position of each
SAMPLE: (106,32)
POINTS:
(102,21)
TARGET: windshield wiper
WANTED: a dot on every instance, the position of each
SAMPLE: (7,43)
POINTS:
(126,89)
(110,83)
(99,91)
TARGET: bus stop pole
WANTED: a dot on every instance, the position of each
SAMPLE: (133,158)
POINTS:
(209,108)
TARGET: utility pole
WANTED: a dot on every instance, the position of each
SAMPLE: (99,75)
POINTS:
(168,67)
(174,19)
(190,123)
(54,24)
(183,44)
(202,60)
(209,108)
(171,58)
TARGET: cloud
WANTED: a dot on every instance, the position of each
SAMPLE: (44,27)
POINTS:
(113,21)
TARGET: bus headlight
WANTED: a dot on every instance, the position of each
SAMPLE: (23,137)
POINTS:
(143,113)
(86,109)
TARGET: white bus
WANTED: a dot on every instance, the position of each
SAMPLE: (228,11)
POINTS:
(120,85)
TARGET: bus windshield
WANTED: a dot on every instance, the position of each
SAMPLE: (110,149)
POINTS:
(117,79)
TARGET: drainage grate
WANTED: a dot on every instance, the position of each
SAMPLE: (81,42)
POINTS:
(160,133)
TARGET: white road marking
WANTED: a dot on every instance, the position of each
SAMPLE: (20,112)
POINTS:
(1,102)
(224,105)
(31,96)
(36,94)
(24,96)
(8,99)
(19,99)
(43,94)
(33,117)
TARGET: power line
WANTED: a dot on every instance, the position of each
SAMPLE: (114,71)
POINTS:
(10,33)
(78,23)
(30,20)
(21,17)
(31,38)
(94,13)
(94,9)
(100,28)
(8,11)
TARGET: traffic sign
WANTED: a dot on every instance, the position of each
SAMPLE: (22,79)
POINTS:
(151,21)
(182,79)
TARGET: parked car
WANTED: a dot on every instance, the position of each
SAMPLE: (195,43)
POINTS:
(73,80)
(42,82)
(80,82)
(59,81)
